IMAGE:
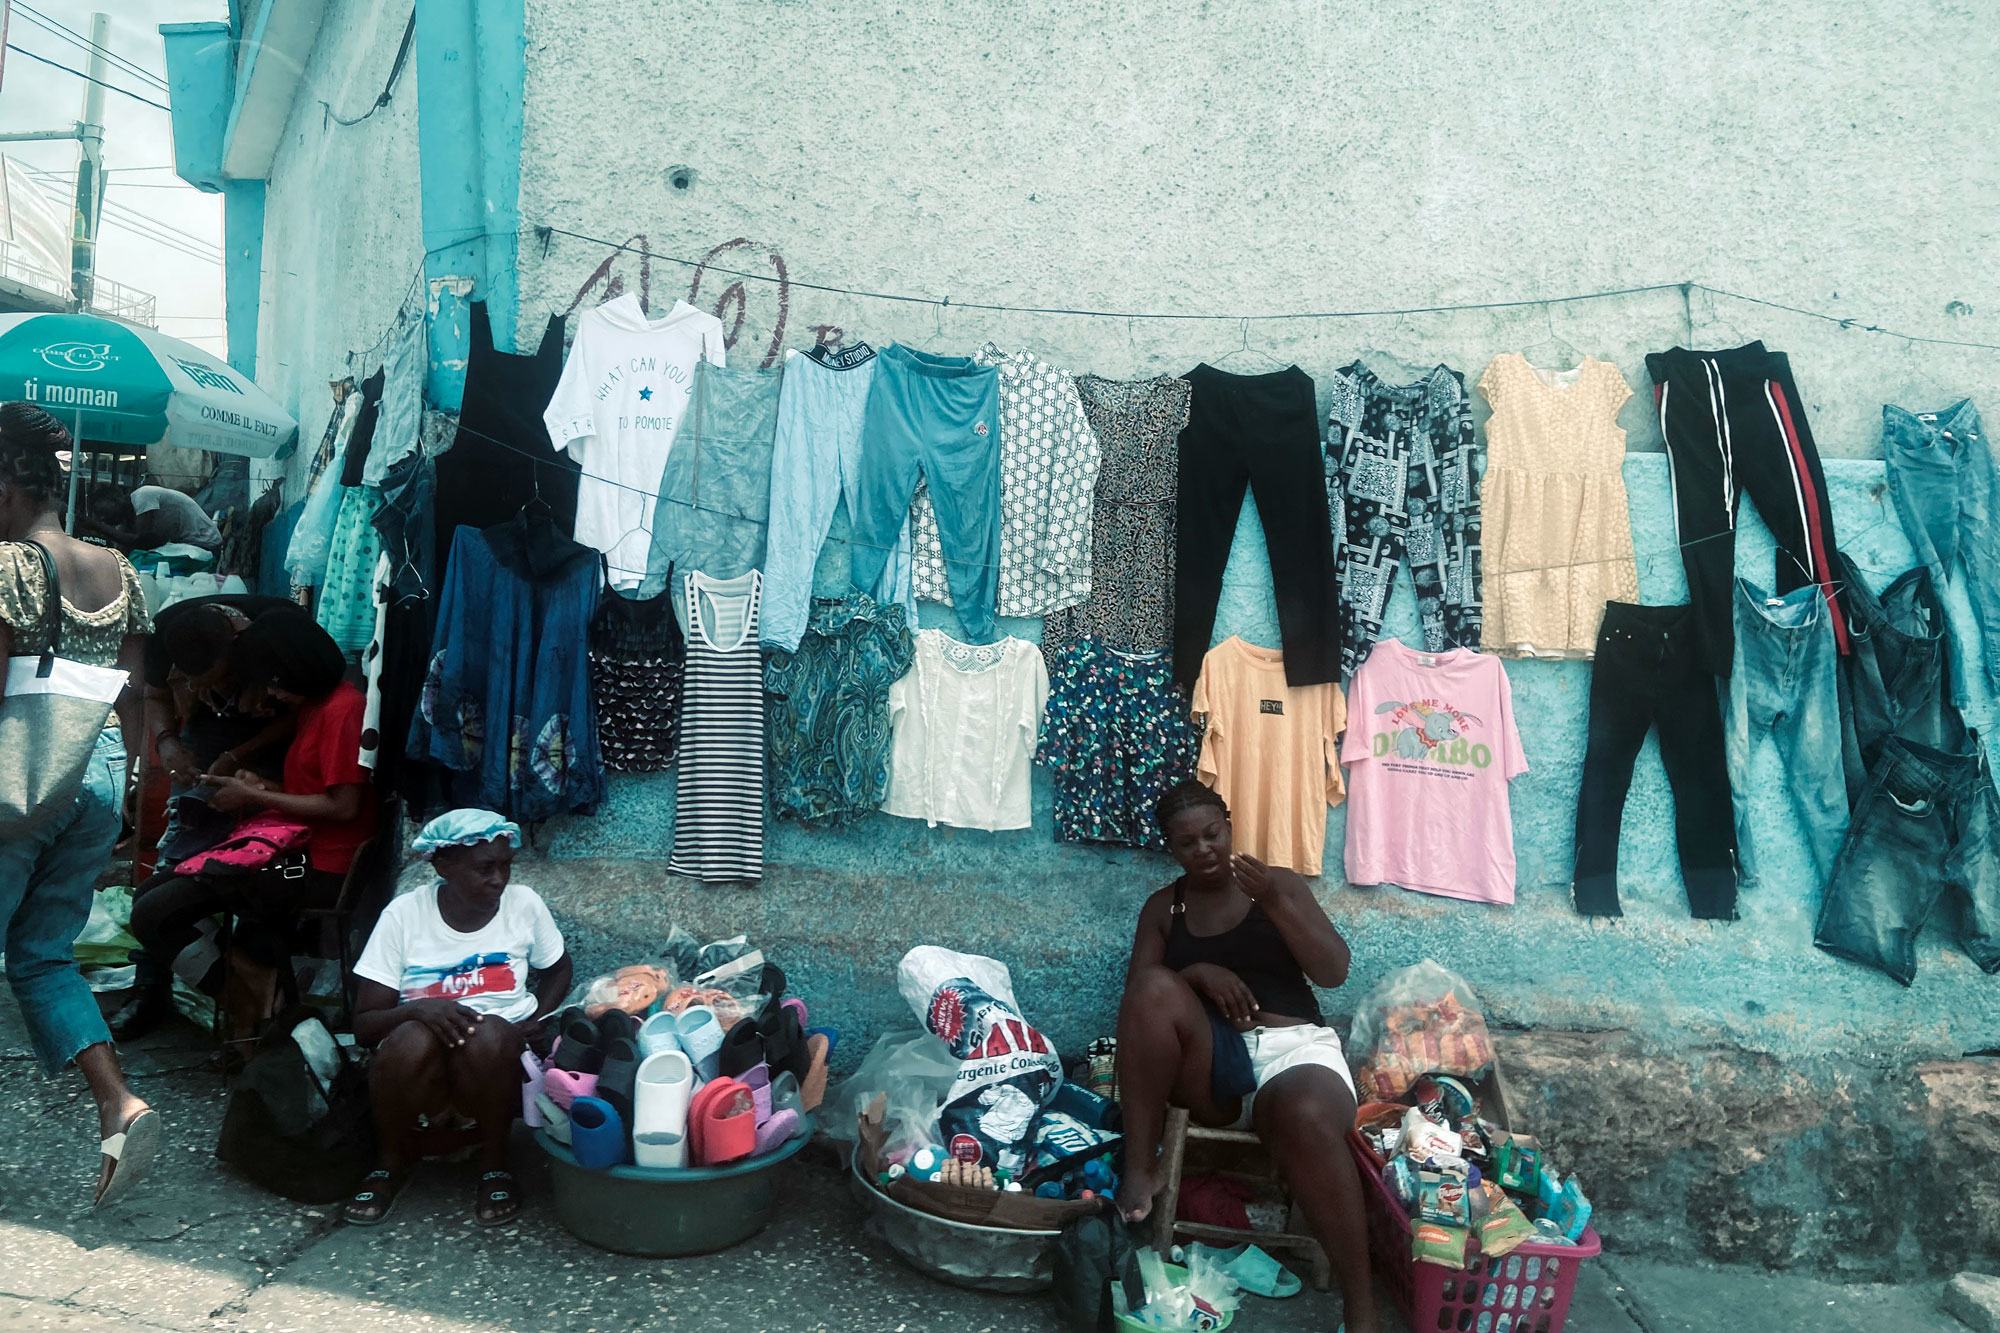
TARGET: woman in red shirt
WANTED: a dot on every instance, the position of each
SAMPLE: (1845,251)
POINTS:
(284,663)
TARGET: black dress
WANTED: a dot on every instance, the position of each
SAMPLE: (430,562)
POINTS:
(502,448)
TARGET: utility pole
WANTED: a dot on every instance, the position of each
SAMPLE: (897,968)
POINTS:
(90,168)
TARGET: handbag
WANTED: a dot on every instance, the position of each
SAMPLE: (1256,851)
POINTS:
(298,1122)
(262,842)
(51,715)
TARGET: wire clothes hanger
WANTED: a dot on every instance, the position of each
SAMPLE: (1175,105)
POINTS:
(1245,349)
(1565,353)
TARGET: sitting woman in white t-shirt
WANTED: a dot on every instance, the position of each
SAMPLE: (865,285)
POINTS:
(446,1001)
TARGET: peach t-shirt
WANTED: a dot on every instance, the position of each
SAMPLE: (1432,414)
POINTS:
(1431,751)
(1272,750)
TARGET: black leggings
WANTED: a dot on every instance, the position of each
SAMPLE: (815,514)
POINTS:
(1263,431)
(1648,674)
(1734,424)
(167,914)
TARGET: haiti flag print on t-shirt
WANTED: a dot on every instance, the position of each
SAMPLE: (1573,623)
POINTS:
(476,974)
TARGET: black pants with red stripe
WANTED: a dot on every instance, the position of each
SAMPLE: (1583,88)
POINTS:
(1734,425)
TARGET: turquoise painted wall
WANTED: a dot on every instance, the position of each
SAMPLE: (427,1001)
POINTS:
(839,907)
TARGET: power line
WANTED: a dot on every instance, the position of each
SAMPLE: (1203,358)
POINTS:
(57,64)
(131,220)
(77,39)
(126,210)
(388,85)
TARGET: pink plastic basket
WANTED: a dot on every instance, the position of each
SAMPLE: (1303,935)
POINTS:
(1528,1291)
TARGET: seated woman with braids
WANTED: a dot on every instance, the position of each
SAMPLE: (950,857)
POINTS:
(1219,1018)
(285,665)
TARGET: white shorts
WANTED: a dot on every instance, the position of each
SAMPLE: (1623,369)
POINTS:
(1274,1050)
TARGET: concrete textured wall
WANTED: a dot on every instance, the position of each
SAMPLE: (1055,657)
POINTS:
(1306,156)
(342,237)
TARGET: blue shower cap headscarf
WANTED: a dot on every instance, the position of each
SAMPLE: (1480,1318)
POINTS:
(464,828)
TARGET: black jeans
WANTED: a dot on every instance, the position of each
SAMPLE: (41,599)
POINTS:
(1894,683)
(1649,673)
(1925,829)
(1735,425)
(167,914)
(1261,431)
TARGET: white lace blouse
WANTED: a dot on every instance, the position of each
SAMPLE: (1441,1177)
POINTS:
(966,718)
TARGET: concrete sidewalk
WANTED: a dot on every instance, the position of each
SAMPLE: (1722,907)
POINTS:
(199,1249)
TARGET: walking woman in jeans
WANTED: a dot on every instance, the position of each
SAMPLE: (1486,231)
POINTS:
(47,875)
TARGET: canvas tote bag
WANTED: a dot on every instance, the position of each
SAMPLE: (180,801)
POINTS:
(50,718)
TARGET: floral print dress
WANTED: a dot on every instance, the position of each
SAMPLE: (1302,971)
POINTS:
(1116,735)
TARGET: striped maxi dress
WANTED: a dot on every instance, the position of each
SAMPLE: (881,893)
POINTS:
(719,816)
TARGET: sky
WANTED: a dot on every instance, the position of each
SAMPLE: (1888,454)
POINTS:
(182,266)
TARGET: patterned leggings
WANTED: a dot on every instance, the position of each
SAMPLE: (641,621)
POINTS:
(1402,476)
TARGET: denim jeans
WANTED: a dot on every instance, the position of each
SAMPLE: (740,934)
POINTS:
(1925,830)
(1783,693)
(1947,489)
(1893,683)
(46,882)
(1649,673)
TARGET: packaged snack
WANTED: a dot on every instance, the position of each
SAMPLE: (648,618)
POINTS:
(1572,1210)
(1401,1178)
(1441,1199)
(1505,1227)
(1431,1243)
(1417,1021)
(1518,1159)
(1424,1138)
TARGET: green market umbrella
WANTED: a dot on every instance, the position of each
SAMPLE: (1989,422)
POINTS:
(118,384)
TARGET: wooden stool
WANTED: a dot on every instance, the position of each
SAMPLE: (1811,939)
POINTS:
(1293,1240)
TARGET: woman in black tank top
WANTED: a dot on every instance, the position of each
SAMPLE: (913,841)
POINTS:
(1224,962)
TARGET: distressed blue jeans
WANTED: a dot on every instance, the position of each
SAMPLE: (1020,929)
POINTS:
(1893,683)
(1783,693)
(1947,489)
(1924,833)
(46,882)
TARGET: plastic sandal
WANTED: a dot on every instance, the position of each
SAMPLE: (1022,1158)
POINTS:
(661,1032)
(597,1137)
(657,1148)
(785,1095)
(380,1184)
(778,1130)
(492,1193)
(554,1119)
(665,1088)
(812,1088)
(620,1076)
(564,1087)
(725,1123)
(757,1078)
(742,1050)
(131,1151)
(531,1091)
(701,1037)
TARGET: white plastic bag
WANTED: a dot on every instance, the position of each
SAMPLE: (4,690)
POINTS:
(1007,1070)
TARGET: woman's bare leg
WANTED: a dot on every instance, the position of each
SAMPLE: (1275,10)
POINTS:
(1303,1116)
(1164,1052)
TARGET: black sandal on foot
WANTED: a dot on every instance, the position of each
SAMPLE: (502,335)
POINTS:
(374,1201)
(500,1193)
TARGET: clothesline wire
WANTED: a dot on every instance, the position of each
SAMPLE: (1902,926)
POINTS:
(543,461)
(946,302)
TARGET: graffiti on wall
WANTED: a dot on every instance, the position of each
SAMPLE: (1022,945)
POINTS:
(743,283)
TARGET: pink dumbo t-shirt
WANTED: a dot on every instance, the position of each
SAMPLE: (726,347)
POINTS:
(1430,749)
